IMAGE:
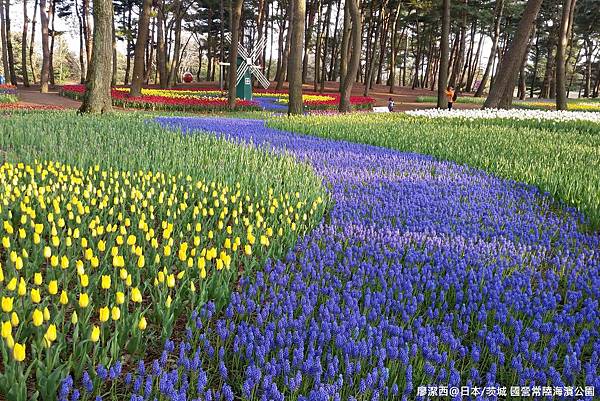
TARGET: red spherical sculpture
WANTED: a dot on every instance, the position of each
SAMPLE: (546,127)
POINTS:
(188,77)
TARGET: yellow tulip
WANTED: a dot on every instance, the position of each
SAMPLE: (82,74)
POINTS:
(54,261)
(105,282)
(142,323)
(171,281)
(7,304)
(168,301)
(120,297)
(37,278)
(64,262)
(84,300)
(51,333)
(95,334)
(35,296)
(141,261)
(19,352)
(64,298)
(37,317)
(131,240)
(14,319)
(74,318)
(22,290)
(136,295)
(115,313)
(85,280)
(101,246)
(6,329)
(53,287)
(103,314)
(46,314)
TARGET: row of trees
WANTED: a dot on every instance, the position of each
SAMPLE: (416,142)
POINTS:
(545,48)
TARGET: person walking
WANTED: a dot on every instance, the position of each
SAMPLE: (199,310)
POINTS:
(390,104)
(451,95)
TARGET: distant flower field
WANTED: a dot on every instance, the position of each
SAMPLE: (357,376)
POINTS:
(207,100)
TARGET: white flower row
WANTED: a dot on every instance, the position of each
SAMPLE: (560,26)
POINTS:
(514,114)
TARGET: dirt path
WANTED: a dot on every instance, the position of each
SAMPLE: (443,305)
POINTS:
(405,98)
(32,96)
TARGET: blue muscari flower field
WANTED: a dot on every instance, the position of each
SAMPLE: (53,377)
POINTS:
(423,272)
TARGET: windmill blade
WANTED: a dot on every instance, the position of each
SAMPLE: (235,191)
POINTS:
(262,42)
(242,68)
(241,50)
(260,76)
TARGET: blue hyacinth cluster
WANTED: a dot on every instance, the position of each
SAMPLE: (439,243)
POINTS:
(423,273)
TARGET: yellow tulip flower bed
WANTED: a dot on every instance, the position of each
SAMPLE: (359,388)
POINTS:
(98,263)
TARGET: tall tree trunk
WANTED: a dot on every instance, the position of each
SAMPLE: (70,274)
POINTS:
(5,68)
(325,46)
(281,42)
(161,47)
(395,46)
(501,93)
(383,44)
(285,52)
(81,45)
(128,51)
(140,49)
(113,80)
(9,46)
(86,32)
(317,47)
(442,100)
(547,82)
(295,104)
(52,18)
(97,98)
(587,88)
(45,73)
(177,45)
(233,51)
(498,11)
(150,53)
(536,60)
(345,105)
(312,8)
(474,68)
(417,66)
(272,29)
(32,42)
(333,66)
(346,30)
(470,55)
(460,55)
(522,87)
(561,76)
(24,45)
(404,59)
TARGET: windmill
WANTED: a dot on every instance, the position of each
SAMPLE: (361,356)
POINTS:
(247,68)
